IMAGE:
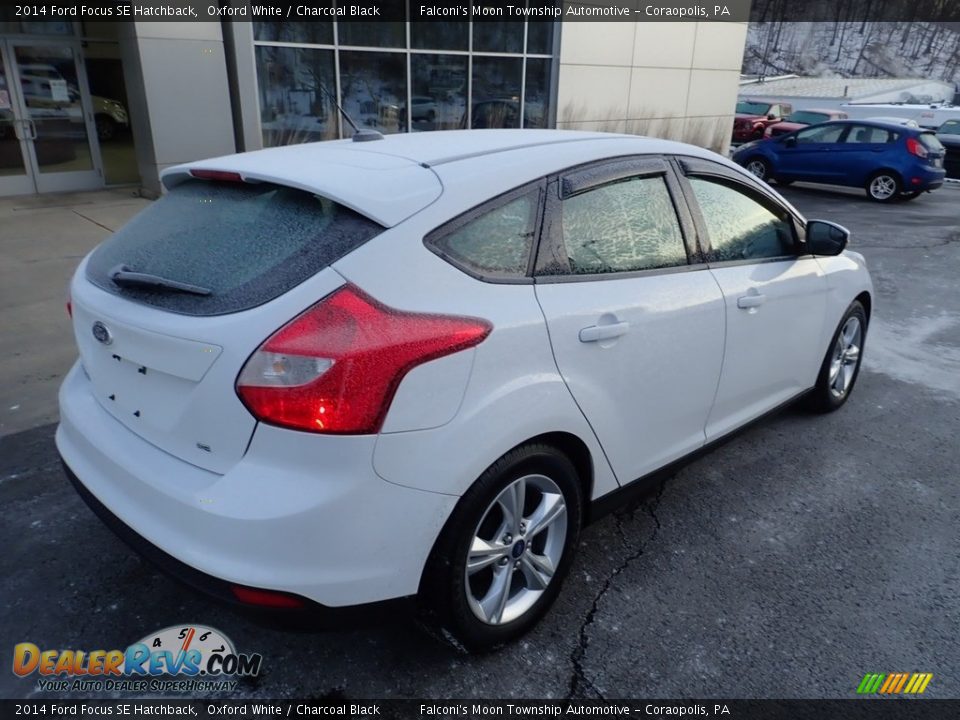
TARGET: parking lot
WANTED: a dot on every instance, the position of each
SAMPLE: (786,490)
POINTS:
(801,555)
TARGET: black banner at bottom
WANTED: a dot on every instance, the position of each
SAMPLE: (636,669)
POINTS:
(868,709)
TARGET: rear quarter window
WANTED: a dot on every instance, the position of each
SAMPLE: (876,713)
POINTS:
(493,242)
(247,243)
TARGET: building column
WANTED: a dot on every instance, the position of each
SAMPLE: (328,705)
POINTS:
(176,77)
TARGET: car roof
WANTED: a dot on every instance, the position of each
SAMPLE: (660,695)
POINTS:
(390,179)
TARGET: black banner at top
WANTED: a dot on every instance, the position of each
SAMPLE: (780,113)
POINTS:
(457,709)
(941,11)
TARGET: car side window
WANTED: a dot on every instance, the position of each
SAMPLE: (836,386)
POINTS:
(740,227)
(868,134)
(624,226)
(495,243)
(822,134)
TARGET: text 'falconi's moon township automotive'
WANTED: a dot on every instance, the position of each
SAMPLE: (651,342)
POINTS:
(349,372)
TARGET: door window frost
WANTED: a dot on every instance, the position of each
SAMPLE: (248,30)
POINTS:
(247,243)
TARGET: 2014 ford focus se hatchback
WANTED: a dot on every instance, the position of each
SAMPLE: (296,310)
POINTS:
(348,372)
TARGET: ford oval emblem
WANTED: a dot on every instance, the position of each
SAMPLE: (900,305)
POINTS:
(102,333)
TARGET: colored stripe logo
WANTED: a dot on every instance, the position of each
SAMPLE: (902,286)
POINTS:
(894,683)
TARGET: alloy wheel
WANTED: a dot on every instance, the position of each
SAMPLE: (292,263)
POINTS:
(516,549)
(883,187)
(758,168)
(846,357)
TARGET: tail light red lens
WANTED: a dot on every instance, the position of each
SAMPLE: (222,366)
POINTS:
(335,368)
(221,175)
(915,147)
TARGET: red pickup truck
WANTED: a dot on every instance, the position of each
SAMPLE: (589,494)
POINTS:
(753,117)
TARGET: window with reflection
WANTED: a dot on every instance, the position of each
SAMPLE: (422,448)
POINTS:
(536,93)
(402,77)
(540,33)
(312,33)
(438,91)
(496,92)
(739,226)
(440,35)
(297,87)
(372,34)
(374,89)
(502,36)
(625,226)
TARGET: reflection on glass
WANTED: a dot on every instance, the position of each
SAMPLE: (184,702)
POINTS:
(316,33)
(372,34)
(439,91)
(440,35)
(48,78)
(496,92)
(498,36)
(374,89)
(11,159)
(536,93)
(540,33)
(297,88)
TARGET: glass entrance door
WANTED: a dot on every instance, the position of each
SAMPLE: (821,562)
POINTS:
(49,119)
(15,178)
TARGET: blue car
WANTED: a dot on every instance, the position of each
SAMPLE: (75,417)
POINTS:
(887,160)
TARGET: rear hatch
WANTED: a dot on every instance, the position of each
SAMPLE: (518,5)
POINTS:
(168,309)
(936,152)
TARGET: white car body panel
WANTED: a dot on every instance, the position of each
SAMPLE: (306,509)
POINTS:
(769,356)
(180,407)
(345,520)
(647,392)
(385,188)
(283,518)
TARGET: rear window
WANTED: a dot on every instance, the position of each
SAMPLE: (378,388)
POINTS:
(246,243)
(930,142)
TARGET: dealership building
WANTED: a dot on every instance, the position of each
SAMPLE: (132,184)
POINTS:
(87,105)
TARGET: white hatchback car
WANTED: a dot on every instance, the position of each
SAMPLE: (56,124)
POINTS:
(348,372)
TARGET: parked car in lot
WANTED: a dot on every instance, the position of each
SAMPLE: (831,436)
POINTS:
(888,161)
(802,118)
(949,136)
(754,116)
(302,388)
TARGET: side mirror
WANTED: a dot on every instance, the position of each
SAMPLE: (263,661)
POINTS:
(771,116)
(790,142)
(826,238)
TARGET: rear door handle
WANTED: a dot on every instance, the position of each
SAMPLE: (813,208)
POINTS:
(603,332)
(751,301)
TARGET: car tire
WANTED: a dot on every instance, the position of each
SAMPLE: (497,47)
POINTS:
(841,365)
(106,128)
(884,186)
(758,167)
(509,585)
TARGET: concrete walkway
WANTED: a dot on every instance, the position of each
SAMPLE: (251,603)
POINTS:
(42,238)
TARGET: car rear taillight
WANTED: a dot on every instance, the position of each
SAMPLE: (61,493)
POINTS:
(221,175)
(915,147)
(336,367)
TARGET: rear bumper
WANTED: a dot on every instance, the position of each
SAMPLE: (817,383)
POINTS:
(299,514)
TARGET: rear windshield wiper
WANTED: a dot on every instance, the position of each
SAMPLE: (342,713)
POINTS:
(123,275)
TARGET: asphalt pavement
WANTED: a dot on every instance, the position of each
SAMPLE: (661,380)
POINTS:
(801,555)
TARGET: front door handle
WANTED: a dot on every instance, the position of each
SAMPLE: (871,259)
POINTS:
(595,333)
(751,301)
